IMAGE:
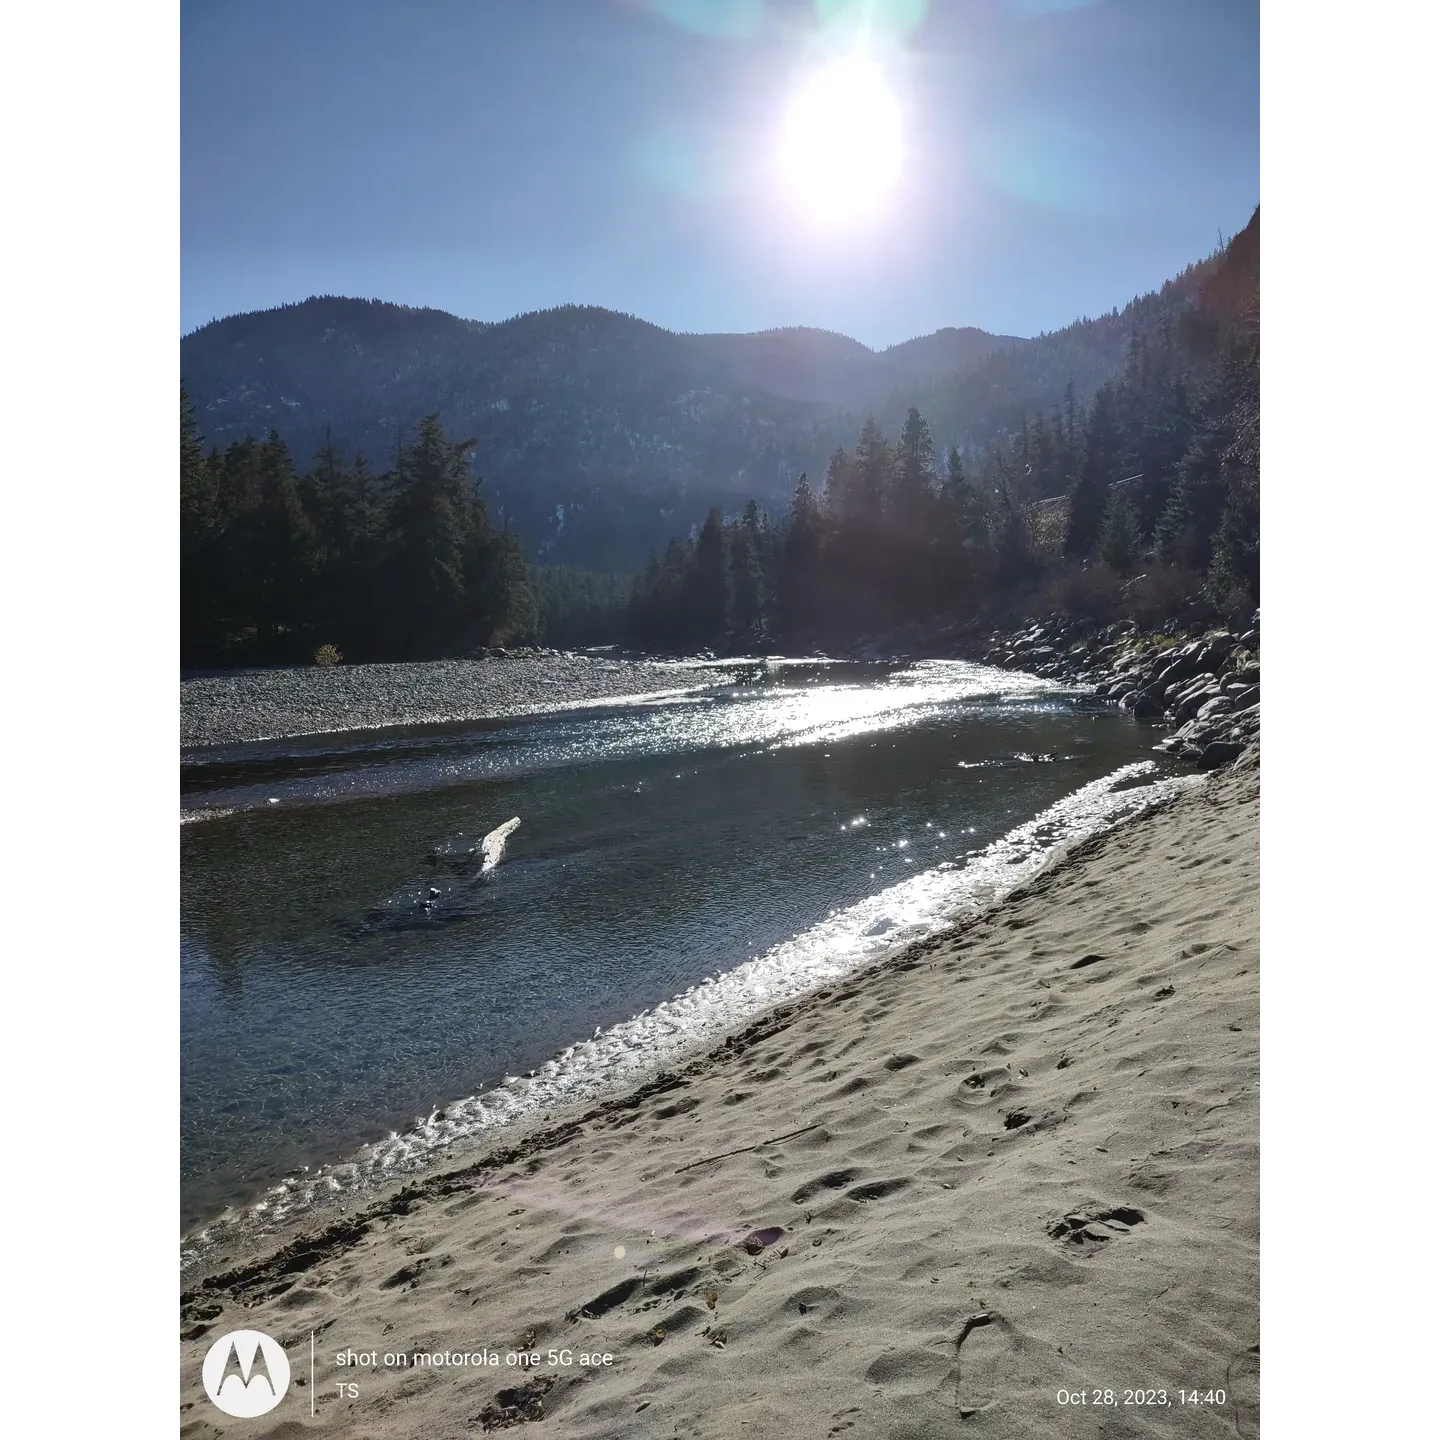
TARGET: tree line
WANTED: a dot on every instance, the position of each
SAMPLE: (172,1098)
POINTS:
(1157,475)
(403,565)
(1159,472)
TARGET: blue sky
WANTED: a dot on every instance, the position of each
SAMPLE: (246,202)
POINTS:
(1057,157)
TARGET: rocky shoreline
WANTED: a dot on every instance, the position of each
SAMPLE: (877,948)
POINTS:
(1205,682)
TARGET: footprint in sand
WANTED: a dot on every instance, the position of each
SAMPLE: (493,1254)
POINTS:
(1091,1228)
(877,1189)
(830,1180)
(986,1363)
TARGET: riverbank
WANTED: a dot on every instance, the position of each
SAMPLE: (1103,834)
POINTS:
(236,706)
(1015,1159)
(1203,680)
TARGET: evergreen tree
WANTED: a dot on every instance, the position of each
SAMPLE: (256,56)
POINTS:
(197,498)
(430,522)
(961,538)
(1097,470)
(873,471)
(1120,535)
(199,526)
(1009,530)
(707,597)
(273,545)
(747,579)
(799,581)
(914,471)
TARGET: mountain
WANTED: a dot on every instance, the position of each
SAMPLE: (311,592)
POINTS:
(599,435)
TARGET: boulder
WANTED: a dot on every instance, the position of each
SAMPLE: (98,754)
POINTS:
(1216,652)
(1148,704)
(1215,707)
(1247,698)
(1219,752)
(1193,700)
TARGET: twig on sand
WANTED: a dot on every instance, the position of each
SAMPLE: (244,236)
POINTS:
(744,1149)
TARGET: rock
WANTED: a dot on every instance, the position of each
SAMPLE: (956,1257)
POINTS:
(1213,657)
(1219,752)
(1212,709)
(1250,640)
(1184,662)
(1148,703)
(1193,700)
(1246,675)
(1246,698)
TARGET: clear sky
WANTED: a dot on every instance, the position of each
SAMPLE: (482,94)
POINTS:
(1044,159)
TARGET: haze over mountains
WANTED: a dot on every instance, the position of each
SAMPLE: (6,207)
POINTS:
(599,435)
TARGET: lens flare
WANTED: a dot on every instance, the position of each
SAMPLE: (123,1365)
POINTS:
(840,154)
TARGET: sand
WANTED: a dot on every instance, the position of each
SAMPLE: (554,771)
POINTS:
(1022,1158)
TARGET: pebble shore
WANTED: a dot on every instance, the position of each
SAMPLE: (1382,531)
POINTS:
(244,705)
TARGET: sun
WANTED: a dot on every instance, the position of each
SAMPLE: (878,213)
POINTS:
(840,154)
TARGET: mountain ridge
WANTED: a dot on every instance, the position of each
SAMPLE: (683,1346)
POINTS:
(599,433)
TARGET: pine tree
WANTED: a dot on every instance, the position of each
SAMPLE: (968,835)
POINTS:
(272,539)
(1120,535)
(1009,531)
(197,498)
(873,471)
(707,598)
(1092,487)
(800,576)
(200,524)
(747,580)
(839,477)
(914,471)
(431,521)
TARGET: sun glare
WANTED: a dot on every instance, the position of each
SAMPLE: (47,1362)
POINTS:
(841,148)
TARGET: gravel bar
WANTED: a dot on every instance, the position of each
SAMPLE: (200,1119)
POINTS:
(242,705)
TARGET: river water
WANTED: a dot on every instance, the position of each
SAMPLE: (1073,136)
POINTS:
(345,973)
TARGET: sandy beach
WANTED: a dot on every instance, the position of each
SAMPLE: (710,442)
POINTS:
(1014,1161)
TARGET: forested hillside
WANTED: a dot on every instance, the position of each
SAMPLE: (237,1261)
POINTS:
(600,435)
(1154,491)
(1132,488)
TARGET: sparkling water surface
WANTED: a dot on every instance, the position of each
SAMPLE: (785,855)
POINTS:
(345,971)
